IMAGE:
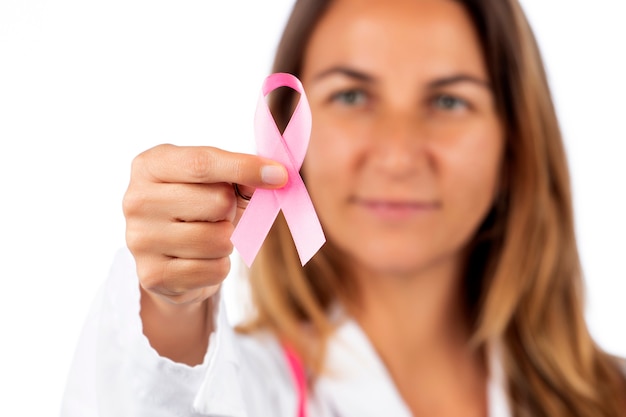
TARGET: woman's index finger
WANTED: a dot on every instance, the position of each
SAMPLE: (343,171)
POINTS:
(205,164)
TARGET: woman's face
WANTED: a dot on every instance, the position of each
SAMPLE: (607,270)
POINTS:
(406,144)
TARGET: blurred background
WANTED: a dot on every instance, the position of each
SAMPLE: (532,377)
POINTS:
(87,85)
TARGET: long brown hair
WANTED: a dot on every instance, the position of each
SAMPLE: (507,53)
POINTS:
(523,280)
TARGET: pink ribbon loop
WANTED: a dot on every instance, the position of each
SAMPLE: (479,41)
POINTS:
(293,199)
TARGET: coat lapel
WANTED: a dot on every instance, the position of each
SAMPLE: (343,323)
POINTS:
(358,384)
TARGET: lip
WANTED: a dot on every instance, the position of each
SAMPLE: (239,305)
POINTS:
(391,209)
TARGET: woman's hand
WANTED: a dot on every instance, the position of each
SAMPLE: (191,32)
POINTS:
(180,210)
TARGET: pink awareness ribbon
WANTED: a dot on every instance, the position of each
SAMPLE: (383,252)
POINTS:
(293,199)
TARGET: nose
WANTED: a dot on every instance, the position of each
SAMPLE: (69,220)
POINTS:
(400,145)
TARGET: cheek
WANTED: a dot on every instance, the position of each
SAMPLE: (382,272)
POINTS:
(321,164)
(330,169)
(473,168)
(331,160)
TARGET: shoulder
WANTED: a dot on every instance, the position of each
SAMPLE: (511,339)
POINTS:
(245,372)
(261,353)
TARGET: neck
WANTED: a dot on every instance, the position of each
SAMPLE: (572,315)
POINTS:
(427,308)
(418,325)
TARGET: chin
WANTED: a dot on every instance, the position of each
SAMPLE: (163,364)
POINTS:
(400,262)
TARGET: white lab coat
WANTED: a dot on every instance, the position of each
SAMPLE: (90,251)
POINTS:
(116,373)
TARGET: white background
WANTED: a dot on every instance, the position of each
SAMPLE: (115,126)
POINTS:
(86,85)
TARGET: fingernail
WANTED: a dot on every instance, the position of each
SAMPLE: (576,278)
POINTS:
(273,174)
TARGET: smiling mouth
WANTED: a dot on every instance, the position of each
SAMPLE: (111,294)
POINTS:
(392,209)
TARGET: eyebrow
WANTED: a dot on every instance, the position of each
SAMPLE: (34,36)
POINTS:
(348,72)
(438,83)
(460,78)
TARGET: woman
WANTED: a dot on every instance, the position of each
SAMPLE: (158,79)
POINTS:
(450,284)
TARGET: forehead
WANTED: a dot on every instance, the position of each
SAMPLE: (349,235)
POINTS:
(396,37)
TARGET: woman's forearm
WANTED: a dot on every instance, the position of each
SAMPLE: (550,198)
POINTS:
(179,332)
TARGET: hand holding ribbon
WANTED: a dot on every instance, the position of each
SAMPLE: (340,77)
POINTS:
(289,149)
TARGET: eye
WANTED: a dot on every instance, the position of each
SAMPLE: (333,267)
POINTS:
(449,102)
(353,97)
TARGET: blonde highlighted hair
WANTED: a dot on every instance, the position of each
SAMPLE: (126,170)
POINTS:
(523,279)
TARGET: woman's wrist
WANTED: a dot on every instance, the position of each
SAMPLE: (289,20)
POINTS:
(179,332)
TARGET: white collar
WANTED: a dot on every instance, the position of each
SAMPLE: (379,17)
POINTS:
(362,371)
(349,350)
